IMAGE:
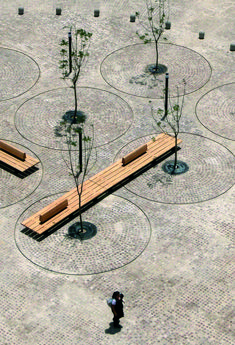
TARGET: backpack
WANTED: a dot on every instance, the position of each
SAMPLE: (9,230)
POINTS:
(109,302)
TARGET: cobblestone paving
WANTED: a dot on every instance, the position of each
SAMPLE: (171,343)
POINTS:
(167,244)
(220,116)
(16,186)
(114,245)
(125,70)
(45,111)
(18,73)
(211,172)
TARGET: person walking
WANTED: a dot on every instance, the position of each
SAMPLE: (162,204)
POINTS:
(117,308)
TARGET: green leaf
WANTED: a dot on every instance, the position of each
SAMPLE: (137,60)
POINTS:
(63,52)
(64,62)
(86,138)
(64,43)
(77,130)
(176,107)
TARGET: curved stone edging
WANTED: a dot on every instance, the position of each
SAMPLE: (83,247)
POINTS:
(123,233)
(15,73)
(125,67)
(211,172)
(215,110)
(24,185)
(37,118)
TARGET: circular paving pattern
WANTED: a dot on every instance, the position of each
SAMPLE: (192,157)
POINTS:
(18,73)
(37,118)
(216,111)
(125,70)
(14,188)
(123,232)
(211,172)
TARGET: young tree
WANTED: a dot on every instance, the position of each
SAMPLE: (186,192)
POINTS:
(73,56)
(72,127)
(71,131)
(77,53)
(171,122)
(156,14)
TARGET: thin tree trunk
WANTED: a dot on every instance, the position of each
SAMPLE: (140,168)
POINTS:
(156,48)
(80,163)
(79,202)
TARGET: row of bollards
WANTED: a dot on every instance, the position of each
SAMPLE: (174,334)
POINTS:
(132,20)
(58,11)
(202,36)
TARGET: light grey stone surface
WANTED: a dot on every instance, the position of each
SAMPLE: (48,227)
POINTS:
(168,248)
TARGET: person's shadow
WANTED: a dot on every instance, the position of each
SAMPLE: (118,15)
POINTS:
(112,329)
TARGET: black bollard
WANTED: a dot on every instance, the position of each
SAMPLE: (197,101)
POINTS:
(167,25)
(96,13)
(166,95)
(58,11)
(70,51)
(21,11)
(132,18)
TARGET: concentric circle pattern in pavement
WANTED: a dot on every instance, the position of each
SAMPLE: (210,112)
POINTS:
(125,70)
(18,73)
(123,232)
(216,111)
(16,187)
(37,118)
(211,172)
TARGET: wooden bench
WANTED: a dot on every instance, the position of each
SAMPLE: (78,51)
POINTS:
(102,182)
(16,158)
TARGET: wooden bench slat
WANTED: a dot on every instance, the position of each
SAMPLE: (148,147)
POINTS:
(101,182)
(15,162)
(27,162)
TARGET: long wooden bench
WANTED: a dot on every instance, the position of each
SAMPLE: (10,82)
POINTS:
(103,182)
(16,158)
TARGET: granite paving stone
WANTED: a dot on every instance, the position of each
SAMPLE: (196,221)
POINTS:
(166,242)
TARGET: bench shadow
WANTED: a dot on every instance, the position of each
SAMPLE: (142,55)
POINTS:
(40,237)
(16,172)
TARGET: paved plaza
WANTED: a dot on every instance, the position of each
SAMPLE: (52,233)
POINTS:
(166,242)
